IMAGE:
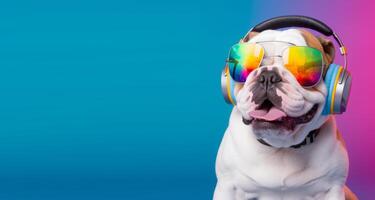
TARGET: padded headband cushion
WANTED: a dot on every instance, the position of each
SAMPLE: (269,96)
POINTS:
(294,20)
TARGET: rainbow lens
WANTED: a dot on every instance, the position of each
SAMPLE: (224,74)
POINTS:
(243,59)
(305,63)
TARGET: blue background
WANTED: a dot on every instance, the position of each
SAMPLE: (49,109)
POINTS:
(115,99)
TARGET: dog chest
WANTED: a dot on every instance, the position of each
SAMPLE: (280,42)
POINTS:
(281,172)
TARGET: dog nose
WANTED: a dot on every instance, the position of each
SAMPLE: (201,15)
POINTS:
(268,79)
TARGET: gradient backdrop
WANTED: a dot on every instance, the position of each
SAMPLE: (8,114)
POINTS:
(121,99)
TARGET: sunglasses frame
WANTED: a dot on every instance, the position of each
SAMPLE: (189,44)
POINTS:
(228,60)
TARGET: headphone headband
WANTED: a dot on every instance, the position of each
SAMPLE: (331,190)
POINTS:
(294,20)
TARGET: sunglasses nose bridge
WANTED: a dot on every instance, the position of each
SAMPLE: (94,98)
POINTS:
(267,61)
(272,60)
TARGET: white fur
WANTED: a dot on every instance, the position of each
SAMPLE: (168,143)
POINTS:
(247,169)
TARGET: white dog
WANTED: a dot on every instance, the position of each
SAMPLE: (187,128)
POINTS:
(291,151)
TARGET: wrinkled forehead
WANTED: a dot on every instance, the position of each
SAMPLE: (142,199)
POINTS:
(274,42)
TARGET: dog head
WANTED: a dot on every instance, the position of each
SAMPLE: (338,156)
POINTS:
(280,111)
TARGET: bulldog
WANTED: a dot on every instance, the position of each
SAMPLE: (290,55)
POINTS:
(278,144)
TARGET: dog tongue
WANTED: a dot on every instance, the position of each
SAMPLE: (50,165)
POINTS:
(271,115)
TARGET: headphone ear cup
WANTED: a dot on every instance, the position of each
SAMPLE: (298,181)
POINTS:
(227,86)
(342,92)
(338,82)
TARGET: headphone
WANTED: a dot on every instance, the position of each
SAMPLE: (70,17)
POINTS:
(337,78)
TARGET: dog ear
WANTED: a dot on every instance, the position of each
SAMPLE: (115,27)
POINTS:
(329,49)
(249,36)
(322,44)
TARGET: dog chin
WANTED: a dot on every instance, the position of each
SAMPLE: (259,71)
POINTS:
(274,134)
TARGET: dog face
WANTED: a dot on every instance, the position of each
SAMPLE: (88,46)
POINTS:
(279,110)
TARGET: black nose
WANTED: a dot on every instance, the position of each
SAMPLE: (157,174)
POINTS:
(268,79)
